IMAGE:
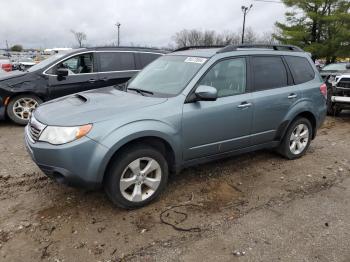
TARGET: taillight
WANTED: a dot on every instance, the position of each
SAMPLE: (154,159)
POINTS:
(6,67)
(323,90)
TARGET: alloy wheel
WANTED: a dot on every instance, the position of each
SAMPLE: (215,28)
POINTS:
(299,139)
(140,179)
(24,107)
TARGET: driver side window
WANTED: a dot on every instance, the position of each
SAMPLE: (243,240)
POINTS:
(227,76)
(80,64)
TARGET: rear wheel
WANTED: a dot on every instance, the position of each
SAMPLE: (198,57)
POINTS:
(136,177)
(297,139)
(21,107)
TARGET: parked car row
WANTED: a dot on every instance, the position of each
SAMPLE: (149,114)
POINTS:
(185,108)
(67,73)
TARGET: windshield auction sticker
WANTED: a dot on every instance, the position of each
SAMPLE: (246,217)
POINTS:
(197,60)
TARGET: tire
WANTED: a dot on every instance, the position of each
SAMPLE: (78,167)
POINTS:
(20,108)
(129,166)
(287,149)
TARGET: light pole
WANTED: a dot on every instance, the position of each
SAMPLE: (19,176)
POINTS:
(245,10)
(118,25)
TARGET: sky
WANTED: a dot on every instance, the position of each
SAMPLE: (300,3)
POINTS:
(48,23)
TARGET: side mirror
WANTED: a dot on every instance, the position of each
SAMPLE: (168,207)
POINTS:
(206,93)
(347,66)
(62,72)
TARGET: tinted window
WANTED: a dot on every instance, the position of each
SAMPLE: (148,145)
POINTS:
(268,72)
(301,69)
(146,58)
(116,61)
(79,64)
(228,77)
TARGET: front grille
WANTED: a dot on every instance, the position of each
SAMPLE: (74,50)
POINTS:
(344,83)
(34,132)
(35,129)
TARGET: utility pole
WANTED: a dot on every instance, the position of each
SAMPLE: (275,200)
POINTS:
(118,25)
(245,10)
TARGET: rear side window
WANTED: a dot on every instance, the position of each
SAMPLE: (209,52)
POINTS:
(116,61)
(147,58)
(301,69)
(268,72)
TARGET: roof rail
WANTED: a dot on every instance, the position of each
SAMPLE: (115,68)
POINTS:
(290,48)
(197,47)
(125,47)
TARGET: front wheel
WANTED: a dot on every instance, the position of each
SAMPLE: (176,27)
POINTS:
(297,139)
(21,107)
(136,177)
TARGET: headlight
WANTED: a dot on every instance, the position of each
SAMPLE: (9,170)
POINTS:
(58,135)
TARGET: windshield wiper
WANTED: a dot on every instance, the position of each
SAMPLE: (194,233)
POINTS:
(140,91)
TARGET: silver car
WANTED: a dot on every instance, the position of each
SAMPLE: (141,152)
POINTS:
(185,108)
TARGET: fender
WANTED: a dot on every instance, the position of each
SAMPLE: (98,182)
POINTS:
(120,136)
(302,106)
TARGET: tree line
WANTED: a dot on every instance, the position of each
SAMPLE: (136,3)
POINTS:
(195,37)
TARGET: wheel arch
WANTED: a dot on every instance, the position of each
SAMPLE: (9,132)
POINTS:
(281,131)
(157,142)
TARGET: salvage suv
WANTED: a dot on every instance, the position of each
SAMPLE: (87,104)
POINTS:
(187,107)
(68,73)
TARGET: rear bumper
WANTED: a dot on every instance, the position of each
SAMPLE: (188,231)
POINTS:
(75,164)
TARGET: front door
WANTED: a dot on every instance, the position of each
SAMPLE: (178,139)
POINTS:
(81,77)
(213,127)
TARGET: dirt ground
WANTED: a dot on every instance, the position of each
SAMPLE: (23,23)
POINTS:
(255,207)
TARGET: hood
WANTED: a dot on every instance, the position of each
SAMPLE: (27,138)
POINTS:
(92,106)
(11,79)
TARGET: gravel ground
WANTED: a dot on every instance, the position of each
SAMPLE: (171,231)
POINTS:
(255,207)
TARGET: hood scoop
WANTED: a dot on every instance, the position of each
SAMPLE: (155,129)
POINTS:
(77,99)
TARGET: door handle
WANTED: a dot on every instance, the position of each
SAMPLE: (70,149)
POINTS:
(245,105)
(92,80)
(292,96)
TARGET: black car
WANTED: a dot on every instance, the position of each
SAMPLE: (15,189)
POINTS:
(67,73)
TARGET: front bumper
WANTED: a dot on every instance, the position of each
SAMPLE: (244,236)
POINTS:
(2,109)
(340,99)
(74,164)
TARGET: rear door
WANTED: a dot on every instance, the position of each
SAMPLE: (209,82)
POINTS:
(115,67)
(273,95)
(82,75)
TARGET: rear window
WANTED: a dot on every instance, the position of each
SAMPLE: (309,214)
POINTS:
(146,58)
(301,69)
(268,72)
(116,61)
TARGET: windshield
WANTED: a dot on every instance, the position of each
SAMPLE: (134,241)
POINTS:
(337,67)
(167,75)
(45,62)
